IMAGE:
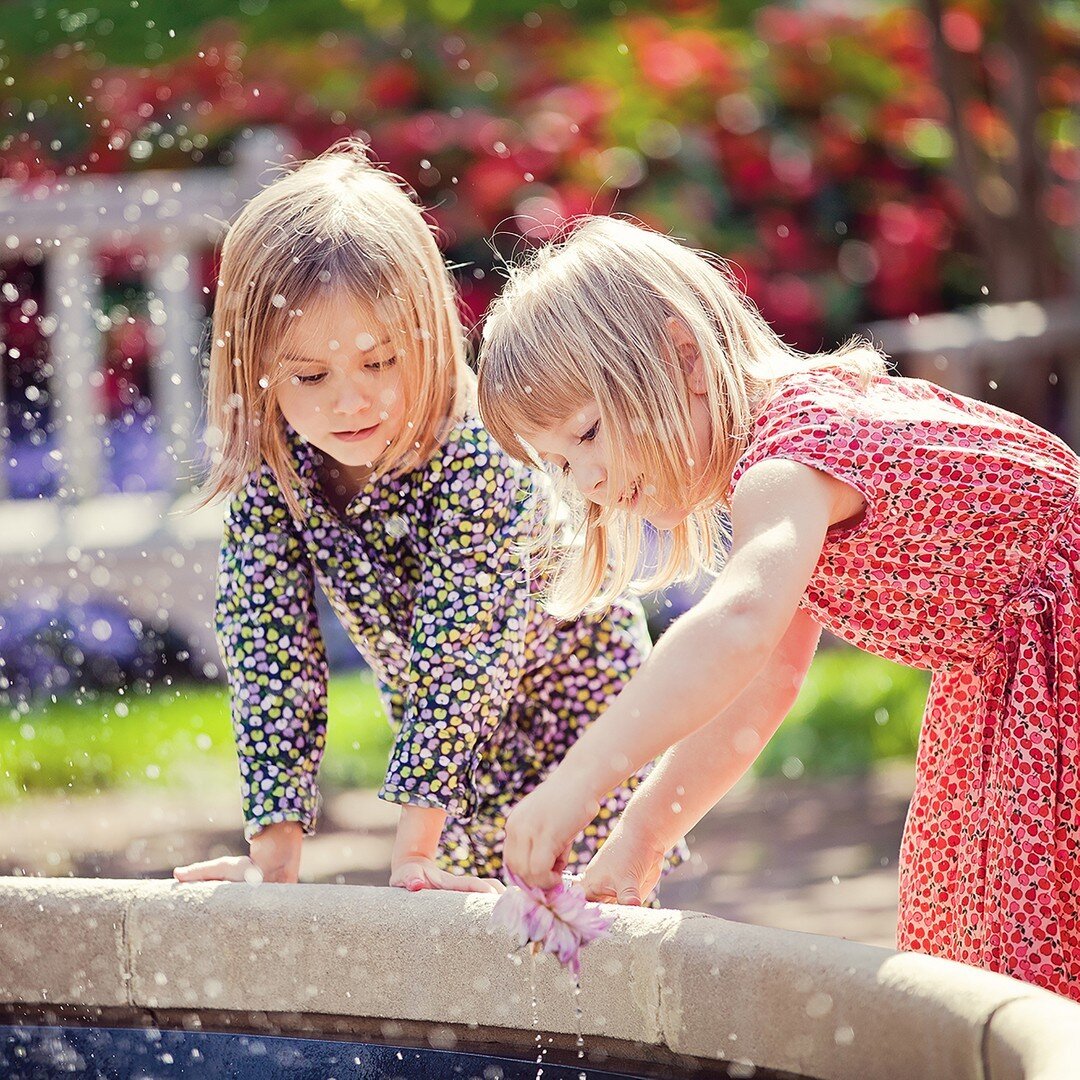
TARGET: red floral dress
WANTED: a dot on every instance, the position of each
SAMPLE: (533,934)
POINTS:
(966,563)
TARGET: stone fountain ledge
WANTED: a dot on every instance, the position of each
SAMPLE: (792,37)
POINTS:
(669,981)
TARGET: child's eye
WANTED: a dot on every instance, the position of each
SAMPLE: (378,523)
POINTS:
(591,433)
(309,380)
(381,365)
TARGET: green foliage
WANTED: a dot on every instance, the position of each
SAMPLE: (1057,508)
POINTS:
(173,736)
(854,709)
(159,31)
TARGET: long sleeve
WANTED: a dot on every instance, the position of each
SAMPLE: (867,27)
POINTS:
(273,651)
(467,646)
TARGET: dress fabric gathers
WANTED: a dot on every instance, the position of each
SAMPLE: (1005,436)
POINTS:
(964,562)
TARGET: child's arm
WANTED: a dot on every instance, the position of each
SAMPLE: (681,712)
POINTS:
(780,515)
(698,771)
(412,864)
(268,631)
(275,856)
(467,644)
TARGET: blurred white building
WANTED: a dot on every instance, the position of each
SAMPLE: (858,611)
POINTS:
(77,540)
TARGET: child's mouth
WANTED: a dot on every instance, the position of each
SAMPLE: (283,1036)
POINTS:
(357,435)
(633,494)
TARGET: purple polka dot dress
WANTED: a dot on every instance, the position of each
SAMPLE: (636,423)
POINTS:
(484,690)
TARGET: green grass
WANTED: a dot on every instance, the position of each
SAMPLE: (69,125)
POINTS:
(173,736)
(854,710)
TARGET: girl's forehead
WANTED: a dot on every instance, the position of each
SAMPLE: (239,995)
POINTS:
(561,425)
(336,323)
(581,413)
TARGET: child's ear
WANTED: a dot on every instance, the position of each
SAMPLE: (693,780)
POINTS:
(686,349)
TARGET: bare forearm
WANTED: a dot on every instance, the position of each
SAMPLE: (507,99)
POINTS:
(714,652)
(692,777)
(697,772)
(700,666)
(418,833)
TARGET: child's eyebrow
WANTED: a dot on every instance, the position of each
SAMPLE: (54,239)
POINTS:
(293,358)
(377,345)
(296,358)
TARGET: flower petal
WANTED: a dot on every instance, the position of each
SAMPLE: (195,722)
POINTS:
(560,919)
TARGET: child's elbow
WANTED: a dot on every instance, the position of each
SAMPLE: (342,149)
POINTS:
(743,631)
(747,639)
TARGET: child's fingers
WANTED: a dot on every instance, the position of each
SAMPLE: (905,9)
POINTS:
(228,868)
(543,875)
(599,890)
(609,891)
(600,893)
(543,866)
(562,861)
(471,884)
(515,848)
(468,883)
(413,880)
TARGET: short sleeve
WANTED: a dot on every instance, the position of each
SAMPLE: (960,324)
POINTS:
(821,421)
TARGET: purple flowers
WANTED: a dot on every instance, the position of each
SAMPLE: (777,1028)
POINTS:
(559,920)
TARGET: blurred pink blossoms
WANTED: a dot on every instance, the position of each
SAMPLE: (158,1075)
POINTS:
(559,920)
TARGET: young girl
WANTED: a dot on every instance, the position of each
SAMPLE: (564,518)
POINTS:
(339,406)
(922,526)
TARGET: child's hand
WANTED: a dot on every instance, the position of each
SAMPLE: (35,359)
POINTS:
(625,870)
(227,868)
(275,856)
(541,828)
(412,862)
(419,872)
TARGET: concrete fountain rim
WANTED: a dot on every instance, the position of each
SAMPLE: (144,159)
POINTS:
(665,986)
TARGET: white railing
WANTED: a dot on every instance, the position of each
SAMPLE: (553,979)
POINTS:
(140,549)
(174,216)
(968,350)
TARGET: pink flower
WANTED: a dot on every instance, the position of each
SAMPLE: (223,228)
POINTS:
(559,920)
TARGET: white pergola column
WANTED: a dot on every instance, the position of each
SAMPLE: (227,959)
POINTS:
(5,422)
(73,296)
(177,310)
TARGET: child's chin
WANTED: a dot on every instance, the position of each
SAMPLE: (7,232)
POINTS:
(665,519)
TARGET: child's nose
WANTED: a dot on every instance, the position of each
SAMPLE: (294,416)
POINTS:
(591,479)
(352,398)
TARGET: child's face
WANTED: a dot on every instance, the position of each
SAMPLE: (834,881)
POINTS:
(344,394)
(579,446)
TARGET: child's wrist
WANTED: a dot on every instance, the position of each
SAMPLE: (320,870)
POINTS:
(645,833)
(418,833)
(278,834)
(583,776)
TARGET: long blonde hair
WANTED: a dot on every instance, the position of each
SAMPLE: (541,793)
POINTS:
(337,225)
(586,318)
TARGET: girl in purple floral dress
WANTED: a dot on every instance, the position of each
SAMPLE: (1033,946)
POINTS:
(340,420)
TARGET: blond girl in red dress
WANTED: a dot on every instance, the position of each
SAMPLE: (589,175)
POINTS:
(920,525)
